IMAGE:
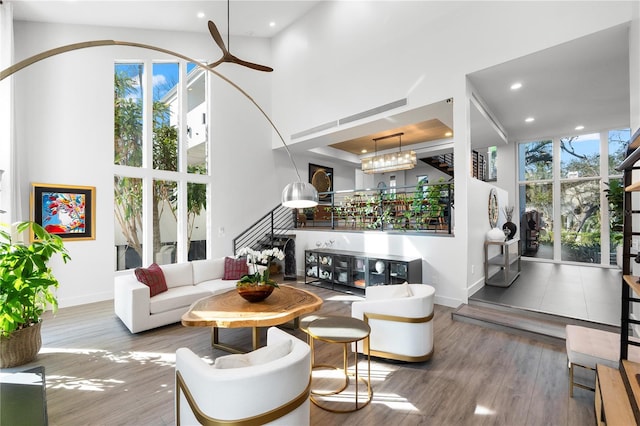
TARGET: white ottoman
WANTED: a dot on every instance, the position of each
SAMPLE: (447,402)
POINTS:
(587,347)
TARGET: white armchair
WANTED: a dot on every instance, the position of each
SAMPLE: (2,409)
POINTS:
(401,321)
(261,387)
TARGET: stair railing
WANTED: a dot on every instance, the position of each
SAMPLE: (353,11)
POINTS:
(264,233)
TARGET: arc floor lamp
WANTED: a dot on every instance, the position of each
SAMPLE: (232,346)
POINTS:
(295,195)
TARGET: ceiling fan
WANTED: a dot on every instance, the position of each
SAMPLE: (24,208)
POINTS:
(226,55)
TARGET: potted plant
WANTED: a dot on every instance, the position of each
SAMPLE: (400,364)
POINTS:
(26,288)
(257,284)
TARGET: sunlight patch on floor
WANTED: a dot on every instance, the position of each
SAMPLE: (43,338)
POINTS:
(344,298)
(158,358)
(394,401)
(76,383)
(379,373)
(483,411)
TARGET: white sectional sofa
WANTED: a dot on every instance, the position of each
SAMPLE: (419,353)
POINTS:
(186,283)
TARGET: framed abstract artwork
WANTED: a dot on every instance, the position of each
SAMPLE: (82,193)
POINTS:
(65,210)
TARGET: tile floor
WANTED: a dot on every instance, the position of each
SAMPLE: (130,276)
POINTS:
(584,292)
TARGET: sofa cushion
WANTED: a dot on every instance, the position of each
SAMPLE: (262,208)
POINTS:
(217,286)
(260,356)
(205,270)
(234,269)
(175,298)
(152,277)
(178,274)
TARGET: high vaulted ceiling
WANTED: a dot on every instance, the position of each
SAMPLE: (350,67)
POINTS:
(246,17)
(582,82)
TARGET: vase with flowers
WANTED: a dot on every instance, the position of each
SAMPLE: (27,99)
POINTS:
(257,284)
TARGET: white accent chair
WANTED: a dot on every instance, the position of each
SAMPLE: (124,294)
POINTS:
(267,391)
(401,321)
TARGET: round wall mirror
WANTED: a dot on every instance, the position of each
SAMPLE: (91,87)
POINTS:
(493,208)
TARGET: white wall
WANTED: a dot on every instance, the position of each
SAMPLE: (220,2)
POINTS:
(339,59)
(64,118)
(346,57)
(478,228)
(442,277)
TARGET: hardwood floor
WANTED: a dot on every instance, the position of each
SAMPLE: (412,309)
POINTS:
(100,374)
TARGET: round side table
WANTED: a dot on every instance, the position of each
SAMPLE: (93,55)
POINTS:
(345,330)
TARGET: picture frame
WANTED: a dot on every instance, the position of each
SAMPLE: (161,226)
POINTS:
(64,210)
(321,177)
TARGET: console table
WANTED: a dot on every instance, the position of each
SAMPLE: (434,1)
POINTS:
(502,269)
(347,271)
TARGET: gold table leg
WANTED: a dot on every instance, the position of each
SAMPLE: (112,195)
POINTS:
(215,341)
(345,358)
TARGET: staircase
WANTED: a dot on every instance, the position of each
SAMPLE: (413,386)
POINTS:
(443,162)
(271,230)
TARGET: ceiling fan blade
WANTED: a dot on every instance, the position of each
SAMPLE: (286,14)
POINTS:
(227,56)
(251,65)
(216,36)
(216,63)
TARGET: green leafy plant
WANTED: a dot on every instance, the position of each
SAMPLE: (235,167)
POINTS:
(26,281)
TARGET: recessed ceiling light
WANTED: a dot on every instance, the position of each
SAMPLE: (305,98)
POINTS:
(200,15)
(272,24)
(529,119)
(579,127)
(516,86)
(364,151)
(448,134)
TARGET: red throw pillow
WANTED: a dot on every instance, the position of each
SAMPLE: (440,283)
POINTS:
(234,269)
(153,277)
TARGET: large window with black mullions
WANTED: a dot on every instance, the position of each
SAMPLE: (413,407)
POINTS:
(568,196)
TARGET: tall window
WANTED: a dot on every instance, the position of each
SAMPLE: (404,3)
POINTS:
(580,198)
(536,198)
(618,141)
(161,163)
(562,183)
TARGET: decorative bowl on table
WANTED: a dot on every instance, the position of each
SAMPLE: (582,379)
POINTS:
(254,293)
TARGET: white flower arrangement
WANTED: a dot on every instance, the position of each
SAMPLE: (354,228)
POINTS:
(257,259)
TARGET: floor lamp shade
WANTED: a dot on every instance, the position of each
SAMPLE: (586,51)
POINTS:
(299,195)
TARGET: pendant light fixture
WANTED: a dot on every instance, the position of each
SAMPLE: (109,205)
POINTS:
(389,162)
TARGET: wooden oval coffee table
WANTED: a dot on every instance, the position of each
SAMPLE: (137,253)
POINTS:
(230,310)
